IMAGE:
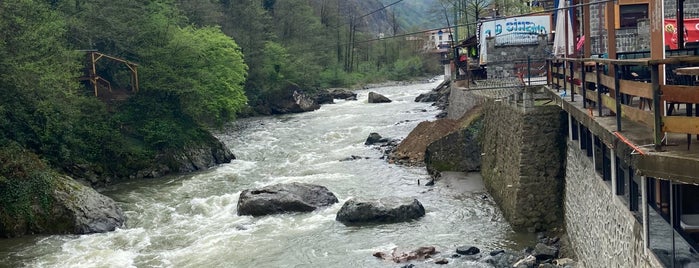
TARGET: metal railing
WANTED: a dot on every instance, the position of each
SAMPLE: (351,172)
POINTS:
(601,83)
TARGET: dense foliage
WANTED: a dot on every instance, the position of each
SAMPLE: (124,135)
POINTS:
(200,63)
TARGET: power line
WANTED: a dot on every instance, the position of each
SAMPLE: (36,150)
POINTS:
(385,7)
(370,13)
(486,20)
(464,24)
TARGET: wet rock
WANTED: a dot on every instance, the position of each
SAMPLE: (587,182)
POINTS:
(442,261)
(420,253)
(353,157)
(431,96)
(458,150)
(564,262)
(528,261)
(375,138)
(503,259)
(80,209)
(544,252)
(378,98)
(496,252)
(295,101)
(384,210)
(282,198)
(467,250)
(328,96)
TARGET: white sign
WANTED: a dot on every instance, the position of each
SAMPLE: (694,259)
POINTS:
(513,31)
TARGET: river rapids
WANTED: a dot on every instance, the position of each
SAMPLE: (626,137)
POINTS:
(191,221)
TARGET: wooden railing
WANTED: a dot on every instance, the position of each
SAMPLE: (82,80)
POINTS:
(599,82)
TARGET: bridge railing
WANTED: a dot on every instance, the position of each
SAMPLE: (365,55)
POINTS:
(610,83)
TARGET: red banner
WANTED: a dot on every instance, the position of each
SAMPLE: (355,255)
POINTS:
(691,31)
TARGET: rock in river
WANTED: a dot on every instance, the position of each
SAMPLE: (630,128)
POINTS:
(282,198)
(384,210)
(328,96)
(377,98)
(83,210)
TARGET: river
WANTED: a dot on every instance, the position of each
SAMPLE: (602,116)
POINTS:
(190,220)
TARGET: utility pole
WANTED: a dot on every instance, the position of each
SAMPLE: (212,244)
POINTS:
(455,37)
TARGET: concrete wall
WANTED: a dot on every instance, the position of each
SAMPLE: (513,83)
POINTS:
(522,163)
(602,230)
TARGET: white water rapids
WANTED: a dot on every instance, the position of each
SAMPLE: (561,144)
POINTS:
(190,220)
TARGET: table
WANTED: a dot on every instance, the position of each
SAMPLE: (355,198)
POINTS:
(693,71)
(688,71)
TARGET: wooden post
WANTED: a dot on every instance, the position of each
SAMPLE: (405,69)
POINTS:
(558,78)
(587,49)
(565,76)
(572,81)
(549,81)
(617,99)
(135,75)
(657,35)
(583,83)
(93,75)
(611,33)
(599,89)
(680,24)
(657,111)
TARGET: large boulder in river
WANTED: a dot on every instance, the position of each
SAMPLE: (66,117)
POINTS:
(328,96)
(384,210)
(66,207)
(292,100)
(83,209)
(282,198)
(375,138)
(377,98)
(34,199)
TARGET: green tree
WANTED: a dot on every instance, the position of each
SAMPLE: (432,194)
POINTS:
(205,69)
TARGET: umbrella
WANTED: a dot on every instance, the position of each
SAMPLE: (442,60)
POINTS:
(561,44)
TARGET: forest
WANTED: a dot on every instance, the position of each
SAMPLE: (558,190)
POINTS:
(201,64)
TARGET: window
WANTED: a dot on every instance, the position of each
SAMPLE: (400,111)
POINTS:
(630,14)
(634,192)
(590,144)
(584,140)
(620,178)
(599,153)
(575,130)
(672,228)
(606,164)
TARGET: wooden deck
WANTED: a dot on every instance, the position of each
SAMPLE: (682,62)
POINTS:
(660,144)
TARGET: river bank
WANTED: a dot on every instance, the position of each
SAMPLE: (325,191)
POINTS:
(190,220)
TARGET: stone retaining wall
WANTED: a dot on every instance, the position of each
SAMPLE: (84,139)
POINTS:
(522,163)
(461,101)
(601,228)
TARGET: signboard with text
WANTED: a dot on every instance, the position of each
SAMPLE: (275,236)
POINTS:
(513,31)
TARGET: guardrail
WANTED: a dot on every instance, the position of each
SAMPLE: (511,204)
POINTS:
(599,82)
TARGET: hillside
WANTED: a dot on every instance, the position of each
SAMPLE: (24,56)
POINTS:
(417,14)
(410,15)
